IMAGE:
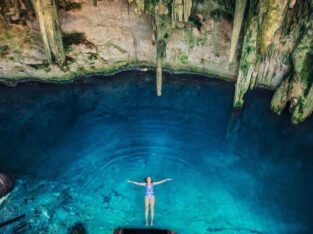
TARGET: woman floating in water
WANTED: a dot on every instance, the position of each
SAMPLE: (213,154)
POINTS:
(149,198)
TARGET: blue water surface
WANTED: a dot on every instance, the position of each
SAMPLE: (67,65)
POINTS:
(73,147)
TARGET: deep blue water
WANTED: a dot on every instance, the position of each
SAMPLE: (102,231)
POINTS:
(72,147)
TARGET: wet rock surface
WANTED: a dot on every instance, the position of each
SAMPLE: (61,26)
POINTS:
(6,184)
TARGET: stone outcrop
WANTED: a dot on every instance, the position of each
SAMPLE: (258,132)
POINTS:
(6,184)
(297,89)
(260,65)
(115,35)
(277,54)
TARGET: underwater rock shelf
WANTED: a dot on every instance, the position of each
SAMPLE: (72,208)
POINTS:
(142,231)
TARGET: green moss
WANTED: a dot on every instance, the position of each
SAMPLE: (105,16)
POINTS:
(239,103)
(191,39)
(140,5)
(194,21)
(72,6)
(205,39)
(220,14)
(19,68)
(276,110)
(199,40)
(297,116)
(286,58)
(44,67)
(307,72)
(92,56)
(149,6)
(9,35)
(4,50)
(184,59)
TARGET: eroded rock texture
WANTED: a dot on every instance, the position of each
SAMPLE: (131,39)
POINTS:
(277,53)
(106,36)
(6,184)
(265,43)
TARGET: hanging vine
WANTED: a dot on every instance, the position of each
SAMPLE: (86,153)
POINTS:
(164,15)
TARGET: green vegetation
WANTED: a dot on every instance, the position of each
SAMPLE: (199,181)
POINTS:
(183,58)
(4,50)
(307,72)
(68,5)
(191,39)
(44,67)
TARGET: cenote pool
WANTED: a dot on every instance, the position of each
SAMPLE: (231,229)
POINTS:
(72,147)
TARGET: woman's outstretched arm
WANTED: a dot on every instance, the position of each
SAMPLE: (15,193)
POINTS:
(136,183)
(161,181)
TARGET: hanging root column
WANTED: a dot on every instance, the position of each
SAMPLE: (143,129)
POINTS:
(49,24)
(161,48)
(238,21)
(159,76)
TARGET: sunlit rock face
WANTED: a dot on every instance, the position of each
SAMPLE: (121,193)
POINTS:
(277,53)
(113,35)
(258,43)
(6,184)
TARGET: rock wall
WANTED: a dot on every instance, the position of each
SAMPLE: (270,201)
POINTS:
(277,53)
(264,43)
(112,35)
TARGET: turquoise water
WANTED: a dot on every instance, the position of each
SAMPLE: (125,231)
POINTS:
(72,147)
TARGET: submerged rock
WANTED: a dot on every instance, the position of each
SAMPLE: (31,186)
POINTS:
(6,184)
(78,228)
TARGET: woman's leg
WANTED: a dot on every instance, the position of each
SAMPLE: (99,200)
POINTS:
(152,202)
(146,209)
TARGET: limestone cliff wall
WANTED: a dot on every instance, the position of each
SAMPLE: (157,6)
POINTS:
(110,36)
(277,52)
(264,43)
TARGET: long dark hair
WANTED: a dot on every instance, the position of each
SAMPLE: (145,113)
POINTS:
(145,179)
